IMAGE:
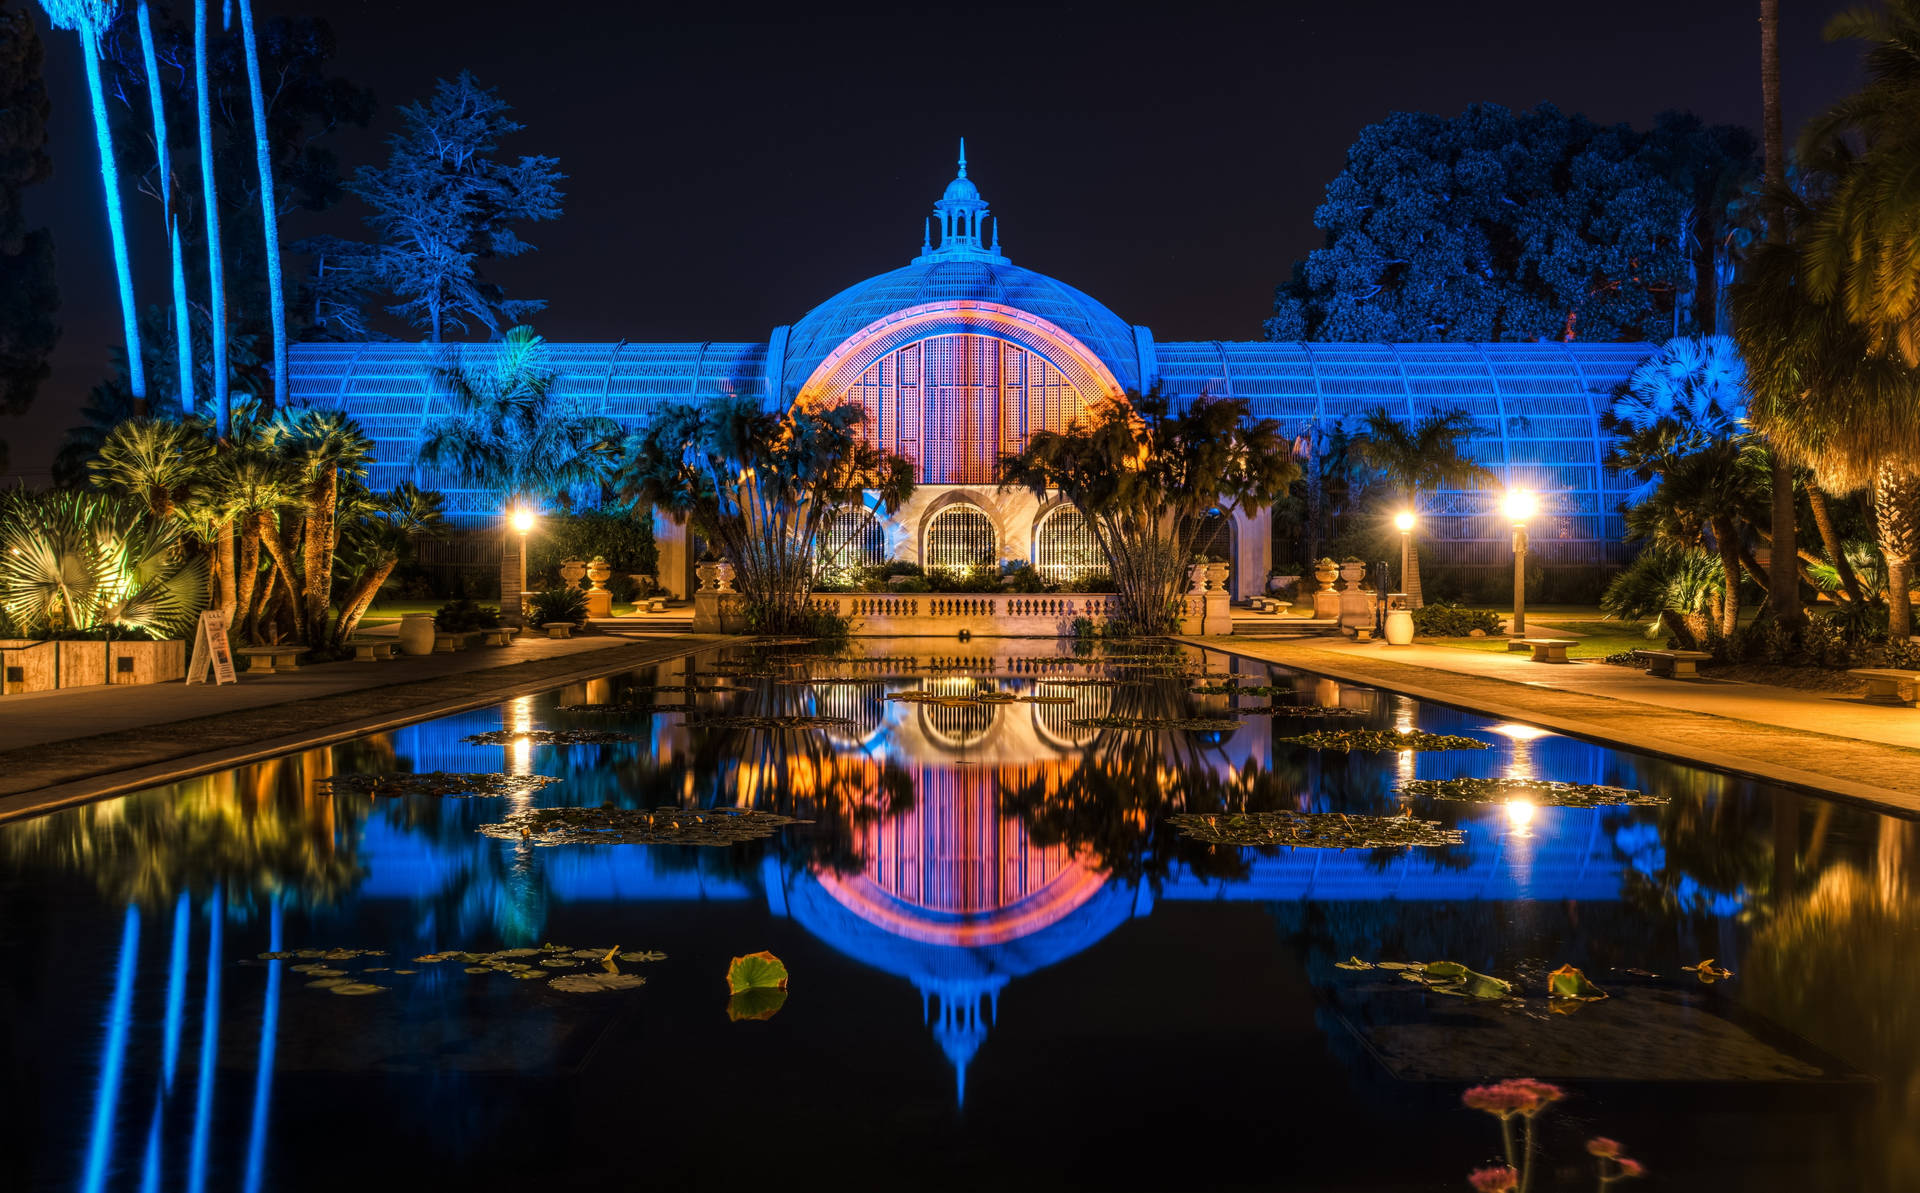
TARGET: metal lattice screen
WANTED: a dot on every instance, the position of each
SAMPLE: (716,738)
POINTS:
(1065,551)
(851,538)
(961,538)
(1215,539)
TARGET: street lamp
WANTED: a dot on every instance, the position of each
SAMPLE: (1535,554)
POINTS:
(1520,507)
(1409,582)
(521,519)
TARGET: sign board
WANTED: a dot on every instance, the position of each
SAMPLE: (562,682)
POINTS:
(210,649)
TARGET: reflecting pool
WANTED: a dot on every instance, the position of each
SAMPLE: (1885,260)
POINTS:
(1009,970)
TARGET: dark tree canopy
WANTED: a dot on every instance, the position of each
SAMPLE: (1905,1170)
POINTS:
(28,295)
(1502,225)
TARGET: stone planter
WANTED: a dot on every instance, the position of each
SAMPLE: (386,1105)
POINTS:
(597,573)
(723,576)
(83,664)
(416,633)
(1217,574)
(1326,576)
(1352,574)
(572,570)
(1399,628)
(146,662)
(26,666)
(1197,578)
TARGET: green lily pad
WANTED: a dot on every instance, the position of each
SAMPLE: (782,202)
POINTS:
(594,983)
(1568,982)
(1539,791)
(1313,830)
(560,962)
(329,983)
(440,783)
(756,971)
(551,737)
(638,826)
(1380,741)
(1353,963)
(358,988)
(479,969)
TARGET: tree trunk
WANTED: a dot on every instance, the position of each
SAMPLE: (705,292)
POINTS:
(210,200)
(282,568)
(224,570)
(269,213)
(247,570)
(116,220)
(1896,508)
(356,603)
(317,554)
(1783,564)
(182,322)
(1830,539)
(1729,545)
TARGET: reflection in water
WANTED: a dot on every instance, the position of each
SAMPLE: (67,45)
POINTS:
(957,852)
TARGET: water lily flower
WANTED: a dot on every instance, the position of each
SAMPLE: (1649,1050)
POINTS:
(1499,1179)
(1522,1095)
(1602,1146)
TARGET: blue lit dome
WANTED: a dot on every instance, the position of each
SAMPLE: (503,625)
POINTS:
(828,325)
(962,188)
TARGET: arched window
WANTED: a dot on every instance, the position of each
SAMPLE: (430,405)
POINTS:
(850,538)
(1064,549)
(960,538)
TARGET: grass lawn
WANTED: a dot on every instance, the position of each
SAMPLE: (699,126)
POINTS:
(1601,639)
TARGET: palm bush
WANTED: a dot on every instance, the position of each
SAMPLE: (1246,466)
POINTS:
(88,563)
(559,604)
(1670,585)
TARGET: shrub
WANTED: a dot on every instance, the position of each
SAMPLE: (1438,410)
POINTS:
(823,624)
(622,536)
(1451,621)
(623,588)
(1022,577)
(460,616)
(559,604)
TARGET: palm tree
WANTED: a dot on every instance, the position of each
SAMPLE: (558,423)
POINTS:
(182,323)
(210,199)
(86,561)
(379,532)
(323,445)
(1425,457)
(90,19)
(269,211)
(248,486)
(1784,585)
(157,462)
(510,435)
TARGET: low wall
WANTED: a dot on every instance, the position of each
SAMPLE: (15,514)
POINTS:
(980,615)
(41,666)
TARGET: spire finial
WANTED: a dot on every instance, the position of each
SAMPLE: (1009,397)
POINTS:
(963,157)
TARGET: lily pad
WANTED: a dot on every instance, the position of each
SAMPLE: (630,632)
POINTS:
(594,983)
(624,709)
(1314,830)
(1540,791)
(768,723)
(756,971)
(1707,972)
(1195,724)
(439,783)
(354,988)
(1377,741)
(1568,982)
(646,956)
(560,962)
(638,826)
(551,737)
(328,983)
(1353,963)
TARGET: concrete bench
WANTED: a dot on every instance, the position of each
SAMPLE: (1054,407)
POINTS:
(558,629)
(1360,633)
(1884,683)
(1672,664)
(657,605)
(265,660)
(371,650)
(446,643)
(1547,650)
(498,636)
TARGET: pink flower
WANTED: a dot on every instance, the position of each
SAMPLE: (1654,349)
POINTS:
(1630,1167)
(1602,1146)
(1504,1099)
(1494,1180)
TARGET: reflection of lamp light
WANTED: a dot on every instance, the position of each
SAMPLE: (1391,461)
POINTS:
(1520,507)
(1521,732)
(1519,815)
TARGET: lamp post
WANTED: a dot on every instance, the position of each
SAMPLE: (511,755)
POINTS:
(521,519)
(1405,521)
(1520,506)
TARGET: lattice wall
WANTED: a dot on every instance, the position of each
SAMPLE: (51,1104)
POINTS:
(1064,549)
(960,537)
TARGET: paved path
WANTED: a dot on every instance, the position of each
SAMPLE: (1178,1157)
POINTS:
(1831,743)
(58,748)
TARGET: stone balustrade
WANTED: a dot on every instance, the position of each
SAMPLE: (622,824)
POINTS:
(979,615)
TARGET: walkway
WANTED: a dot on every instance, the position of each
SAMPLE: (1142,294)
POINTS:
(1835,744)
(58,748)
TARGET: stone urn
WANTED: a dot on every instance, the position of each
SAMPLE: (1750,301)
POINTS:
(1353,572)
(1217,574)
(1197,576)
(1326,573)
(416,633)
(572,570)
(597,572)
(723,576)
(709,574)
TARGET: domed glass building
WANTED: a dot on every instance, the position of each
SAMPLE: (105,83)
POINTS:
(959,356)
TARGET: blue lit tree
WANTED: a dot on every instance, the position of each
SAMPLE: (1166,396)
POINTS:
(443,203)
(210,195)
(269,213)
(90,19)
(182,322)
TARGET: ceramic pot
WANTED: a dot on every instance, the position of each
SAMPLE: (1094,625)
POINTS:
(416,633)
(1400,628)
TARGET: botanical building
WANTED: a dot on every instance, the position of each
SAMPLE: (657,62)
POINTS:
(960,355)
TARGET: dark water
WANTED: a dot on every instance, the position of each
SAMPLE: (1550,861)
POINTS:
(1009,972)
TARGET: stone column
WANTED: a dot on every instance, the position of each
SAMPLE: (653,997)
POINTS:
(670,540)
(1252,554)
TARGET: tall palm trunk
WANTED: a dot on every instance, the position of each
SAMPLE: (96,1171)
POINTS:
(1784,594)
(182,324)
(210,199)
(357,602)
(269,212)
(282,569)
(247,570)
(1830,539)
(1896,507)
(1727,539)
(224,570)
(323,494)
(116,219)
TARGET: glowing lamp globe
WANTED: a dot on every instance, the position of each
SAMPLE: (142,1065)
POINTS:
(522,520)
(1404,522)
(1520,506)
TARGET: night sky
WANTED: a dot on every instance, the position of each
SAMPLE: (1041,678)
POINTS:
(727,172)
